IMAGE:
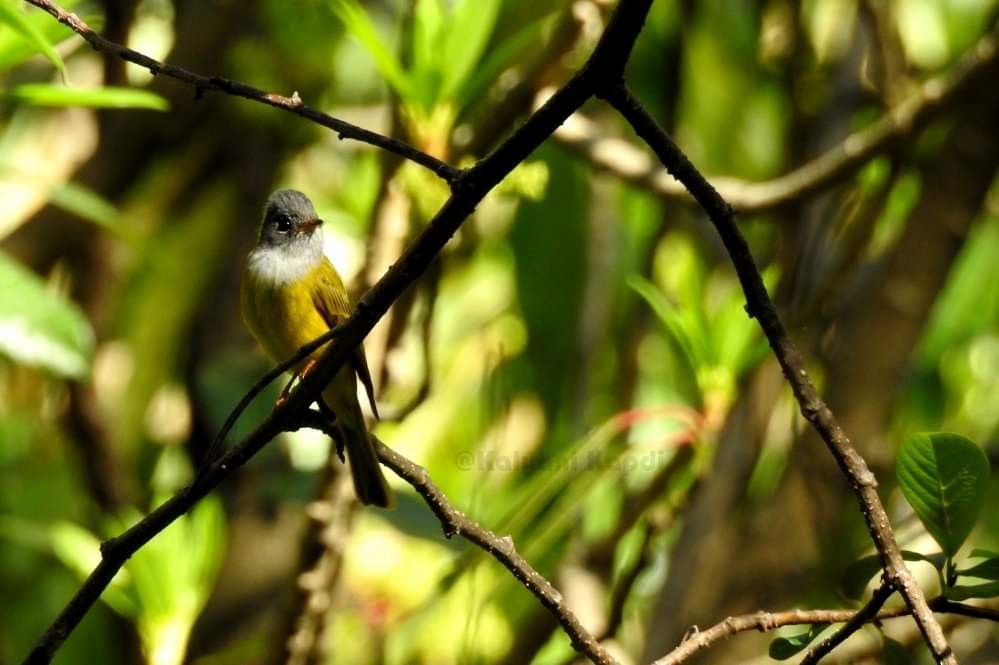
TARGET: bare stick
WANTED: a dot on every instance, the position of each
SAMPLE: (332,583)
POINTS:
(767,621)
(760,307)
(293,104)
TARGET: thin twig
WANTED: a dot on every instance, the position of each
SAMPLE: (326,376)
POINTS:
(293,104)
(258,387)
(763,622)
(768,621)
(759,306)
(455,523)
(630,163)
(856,622)
(604,66)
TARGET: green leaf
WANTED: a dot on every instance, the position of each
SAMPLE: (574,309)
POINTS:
(681,325)
(80,551)
(986,570)
(894,652)
(361,28)
(964,592)
(471,26)
(425,72)
(860,572)
(15,49)
(14,18)
(783,648)
(44,94)
(87,204)
(944,478)
(41,328)
(492,64)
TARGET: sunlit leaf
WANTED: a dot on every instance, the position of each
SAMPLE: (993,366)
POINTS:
(12,16)
(15,48)
(468,33)
(361,28)
(682,330)
(944,477)
(40,328)
(493,63)
(44,94)
(427,63)
(80,551)
(71,197)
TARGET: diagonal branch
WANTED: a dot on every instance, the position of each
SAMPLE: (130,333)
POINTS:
(865,614)
(455,523)
(628,162)
(293,104)
(604,66)
(759,306)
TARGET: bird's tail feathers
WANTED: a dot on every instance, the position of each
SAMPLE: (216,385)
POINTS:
(369,482)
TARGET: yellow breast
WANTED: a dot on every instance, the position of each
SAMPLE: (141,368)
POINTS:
(283,317)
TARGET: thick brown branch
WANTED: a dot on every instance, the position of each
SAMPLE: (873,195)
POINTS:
(604,67)
(293,104)
(630,163)
(760,307)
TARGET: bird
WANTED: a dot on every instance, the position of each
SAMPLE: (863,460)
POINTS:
(290,295)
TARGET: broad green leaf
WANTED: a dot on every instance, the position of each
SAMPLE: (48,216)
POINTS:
(361,28)
(894,652)
(40,328)
(860,572)
(964,592)
(986,570)
(44,94)
(12,16)
(470,28)
(783,648)
(944,478)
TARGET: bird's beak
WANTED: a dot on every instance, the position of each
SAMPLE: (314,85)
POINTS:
(309,226)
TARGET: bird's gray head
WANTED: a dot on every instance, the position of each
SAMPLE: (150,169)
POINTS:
(289,220)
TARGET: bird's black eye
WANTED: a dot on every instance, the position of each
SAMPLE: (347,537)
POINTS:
(283,224)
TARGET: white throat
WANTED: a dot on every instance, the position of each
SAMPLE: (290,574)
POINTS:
(282,264)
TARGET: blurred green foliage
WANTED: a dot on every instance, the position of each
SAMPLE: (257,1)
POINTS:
(579,338)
